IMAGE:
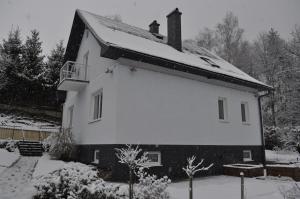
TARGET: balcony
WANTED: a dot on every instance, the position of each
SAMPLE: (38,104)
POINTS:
(73,76)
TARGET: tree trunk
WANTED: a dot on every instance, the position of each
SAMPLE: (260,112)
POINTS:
(191,188)
(130,185)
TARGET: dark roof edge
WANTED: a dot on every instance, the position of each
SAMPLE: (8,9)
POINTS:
(114,52)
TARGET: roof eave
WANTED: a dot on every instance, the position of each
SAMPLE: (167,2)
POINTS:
(115,52)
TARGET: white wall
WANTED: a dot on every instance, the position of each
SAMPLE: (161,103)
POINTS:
(157,108)
(147,107)
(85,131)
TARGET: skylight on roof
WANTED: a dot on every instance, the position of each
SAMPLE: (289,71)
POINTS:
(207,60)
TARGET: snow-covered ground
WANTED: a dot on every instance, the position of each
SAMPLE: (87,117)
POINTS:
(45,165)
(15,180)
(7,159)
(217,187)
(26,123)
(282,156)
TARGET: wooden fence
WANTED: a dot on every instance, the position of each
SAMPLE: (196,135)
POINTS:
(20,134)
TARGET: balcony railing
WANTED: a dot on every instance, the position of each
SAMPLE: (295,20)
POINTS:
(73,76)
(73,70)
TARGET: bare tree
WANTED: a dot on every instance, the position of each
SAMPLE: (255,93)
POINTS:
(132,157)
(191,169)
(229,37)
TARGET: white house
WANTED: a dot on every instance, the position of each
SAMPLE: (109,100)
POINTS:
(127,85)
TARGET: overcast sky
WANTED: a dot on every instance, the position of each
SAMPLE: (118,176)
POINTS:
(53,18)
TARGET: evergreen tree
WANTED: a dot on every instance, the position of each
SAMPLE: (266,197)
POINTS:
(32,58)
(55,62)
(10,65)
(33,70)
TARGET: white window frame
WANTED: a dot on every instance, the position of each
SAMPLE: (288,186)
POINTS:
(152,164)
(100,106)
(225,109)
(70,116)
(247,114)
(96,159)
(250,154)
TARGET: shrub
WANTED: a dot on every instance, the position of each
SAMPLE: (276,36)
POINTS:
(61,144)
(74,181)
(151,187)
(11,145)
(272,137)
(3,144)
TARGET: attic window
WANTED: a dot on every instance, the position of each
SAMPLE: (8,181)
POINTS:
(210,62)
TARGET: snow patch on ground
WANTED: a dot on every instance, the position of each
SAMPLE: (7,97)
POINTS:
(45,165)
(26,123)
(282,156)
(15,180)
(7,159)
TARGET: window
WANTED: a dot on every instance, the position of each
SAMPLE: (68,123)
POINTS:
(86,33)
(245,112)
(154,158)
(86,58)
(247,156)
(71,110)
(97,105)
(222,106)
(96,156)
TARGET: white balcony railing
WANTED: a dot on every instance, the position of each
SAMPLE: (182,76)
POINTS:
(73,76)
(74,71)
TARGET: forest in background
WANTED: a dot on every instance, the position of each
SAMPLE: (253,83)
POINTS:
(29,78)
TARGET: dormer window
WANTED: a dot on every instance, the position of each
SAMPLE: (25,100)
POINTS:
(207,60)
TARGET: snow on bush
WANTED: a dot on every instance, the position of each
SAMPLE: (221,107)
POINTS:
(282,138)
(151,187)
(290,192)
(75,181)
(11,145)
(61,144)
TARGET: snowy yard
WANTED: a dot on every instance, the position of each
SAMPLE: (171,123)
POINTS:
(7,159)
(16,181)
(217,187)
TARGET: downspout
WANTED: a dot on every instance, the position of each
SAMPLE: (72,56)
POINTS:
(262,131)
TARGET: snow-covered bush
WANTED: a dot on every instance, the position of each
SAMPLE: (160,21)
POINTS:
(3,144)
(151,187)
(272,137)
(289,192)
(283,138)
(11,145)
(62,144)
(133,159)
(75,181)
(48,142)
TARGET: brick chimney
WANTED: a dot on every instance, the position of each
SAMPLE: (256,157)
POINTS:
(154,27)
(174,29)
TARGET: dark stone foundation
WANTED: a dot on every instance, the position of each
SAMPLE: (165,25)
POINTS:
(173,158)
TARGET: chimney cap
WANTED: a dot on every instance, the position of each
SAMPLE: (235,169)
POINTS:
(175,11)
(154,23)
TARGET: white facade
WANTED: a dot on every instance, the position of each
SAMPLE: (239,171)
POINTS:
(146,106)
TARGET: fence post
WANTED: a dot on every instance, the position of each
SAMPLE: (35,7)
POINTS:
(242,186)
(13,134)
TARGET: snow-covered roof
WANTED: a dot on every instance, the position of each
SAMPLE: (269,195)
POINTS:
(123,36)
